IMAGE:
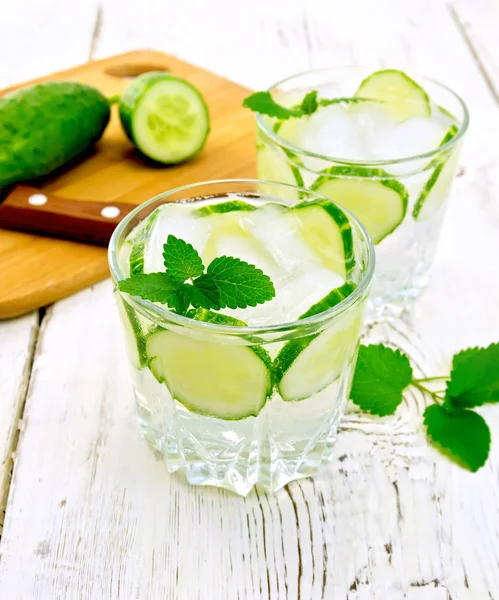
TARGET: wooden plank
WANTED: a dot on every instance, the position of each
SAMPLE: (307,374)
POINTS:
(40,37)
(390,518)
(17,344)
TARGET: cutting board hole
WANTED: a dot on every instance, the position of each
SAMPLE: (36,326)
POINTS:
(130,71)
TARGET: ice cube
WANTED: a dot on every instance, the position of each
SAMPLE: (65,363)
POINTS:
(177,220)
(409,138)
(330,131)
(280,236)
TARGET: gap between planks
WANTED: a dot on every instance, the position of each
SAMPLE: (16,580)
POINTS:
(7,466)
(481,67)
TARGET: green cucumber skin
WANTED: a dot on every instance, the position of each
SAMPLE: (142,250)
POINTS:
(44,126)
(136,260)
(343,222)
(380,175)
(421,91)
(224,207)
(449,135)
(290,351)
(137,330)
(134,94)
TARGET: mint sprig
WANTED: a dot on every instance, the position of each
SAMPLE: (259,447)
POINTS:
(383,374)
(227,282)
(263,103)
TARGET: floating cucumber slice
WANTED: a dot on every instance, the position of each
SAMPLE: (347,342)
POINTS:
(326,229)
(136,259)
(306,365)
(225,381)
(403,96)
(165,117)
(134,338)
(273,164)
(223,207)
(378,201)
(437,187)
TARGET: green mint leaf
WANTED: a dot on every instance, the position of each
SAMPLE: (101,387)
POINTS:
(474,378)
(156,287)
(239,283)
(461,434)
(380,377)
(180,300)
(205,293)
(309,104)
(181,260)
(263,103)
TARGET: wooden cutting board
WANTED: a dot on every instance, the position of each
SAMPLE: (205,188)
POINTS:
(36,270)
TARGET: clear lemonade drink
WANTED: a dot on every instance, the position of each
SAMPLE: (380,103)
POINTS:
(383,145)
(244,396)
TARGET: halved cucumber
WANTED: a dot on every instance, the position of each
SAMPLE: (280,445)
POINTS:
(376,199)
(225,381)
(326,229)
(272,164)
(306,365)
(402,95)
(223,207)
(165,117)
(134,338)
(438,185)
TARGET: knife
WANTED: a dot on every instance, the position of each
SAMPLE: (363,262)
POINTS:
(29,209)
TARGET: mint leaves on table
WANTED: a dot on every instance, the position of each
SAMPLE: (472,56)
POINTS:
(380,377)
(263,103)
(382,374)
(227,282)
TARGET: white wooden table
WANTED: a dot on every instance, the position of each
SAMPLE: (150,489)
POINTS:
(90,513)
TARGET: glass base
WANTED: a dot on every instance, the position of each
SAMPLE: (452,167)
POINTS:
(245,470)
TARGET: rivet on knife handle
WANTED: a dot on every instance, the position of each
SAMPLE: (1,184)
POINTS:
(28,209)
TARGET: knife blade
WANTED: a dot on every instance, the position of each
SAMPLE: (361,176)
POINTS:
(29,209)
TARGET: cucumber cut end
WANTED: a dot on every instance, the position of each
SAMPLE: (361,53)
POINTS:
(307,365)
(403,96)
(378,201)
(224,381)
(167,118)
(327,230)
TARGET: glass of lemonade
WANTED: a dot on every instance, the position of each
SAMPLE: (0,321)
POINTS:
(383,145)
(245,397)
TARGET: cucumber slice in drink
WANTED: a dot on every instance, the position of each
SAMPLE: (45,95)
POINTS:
(225,381)
(306,365)
(223,207)
(165,117)
(134,338)
(326,229)
(272,164)
(377,200)
(136,259)
(438,185)
(402,95)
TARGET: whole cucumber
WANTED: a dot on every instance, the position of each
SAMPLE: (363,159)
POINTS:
(44,126)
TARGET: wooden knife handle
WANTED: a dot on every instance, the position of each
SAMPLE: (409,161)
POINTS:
(28,209)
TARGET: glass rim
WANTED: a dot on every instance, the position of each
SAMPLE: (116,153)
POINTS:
(149,308)
(363,163)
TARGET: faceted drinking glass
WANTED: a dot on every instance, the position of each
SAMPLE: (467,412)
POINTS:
(420,183)
(282,437)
